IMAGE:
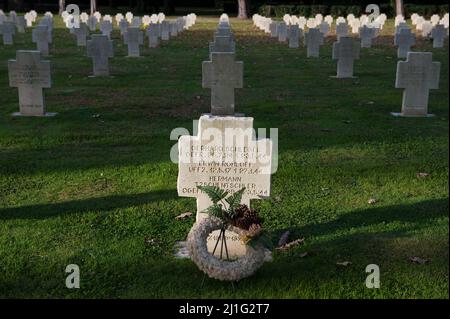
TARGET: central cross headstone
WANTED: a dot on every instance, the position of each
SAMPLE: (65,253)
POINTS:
(313,41)
(30,75)
(100,48)
(346,50)
(225,152)
(417,75)
(40,37)
(134,37)
(222,75)
(8,30)
(404,40)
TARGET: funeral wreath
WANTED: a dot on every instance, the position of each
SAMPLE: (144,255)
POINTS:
(227,213)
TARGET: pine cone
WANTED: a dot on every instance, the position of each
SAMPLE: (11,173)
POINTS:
(241,210)
(247,218)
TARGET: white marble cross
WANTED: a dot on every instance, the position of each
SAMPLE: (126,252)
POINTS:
(30,75)
(294,36)
(106,28)
(417,75)
(133,38)
(222,75)
(282,31)
(346,50)
(100,48)
(439,33)
(404,40)
(165,30)
(341,30)
(8,30)
(367,34)
(225,154)
(222,44)
(81,33)
(153,33)
(313,41)
(40,37)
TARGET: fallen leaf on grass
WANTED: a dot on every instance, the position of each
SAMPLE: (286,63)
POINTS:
(343,263)
(151,241)
(292,244)
(422,175)
(372,201)
(418,260)
(303,255)
(277,199)
(284,238)
(183,216)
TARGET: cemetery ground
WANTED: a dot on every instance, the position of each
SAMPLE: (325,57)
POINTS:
(94,186)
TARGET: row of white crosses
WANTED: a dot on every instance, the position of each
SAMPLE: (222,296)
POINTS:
(224,152)
(417,75)
(317,28)
(31,75)
(9,24)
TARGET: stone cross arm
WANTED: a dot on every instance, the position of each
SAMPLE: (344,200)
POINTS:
(418,70)
(222,70)
(28,69)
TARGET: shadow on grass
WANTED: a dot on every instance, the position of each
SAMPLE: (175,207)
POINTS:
(288,276)
(106,203)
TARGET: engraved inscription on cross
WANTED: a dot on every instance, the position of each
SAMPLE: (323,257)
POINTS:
(30,75)
(417,75)
(222,75)
(225,154)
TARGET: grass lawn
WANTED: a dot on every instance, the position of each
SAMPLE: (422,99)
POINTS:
(95,185)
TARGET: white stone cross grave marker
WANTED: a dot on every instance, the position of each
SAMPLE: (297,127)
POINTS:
(123,26)
(222,44)
(282,31)
(92,23)
(313,41)
(404,40)
(7,30)
(40,37)
(106,28)
(294,36)
(165,30)
(81,33)
(133,38)
(274,29)
(30,75)
(346,50)
(341,30)
(367,34)
(225,154)
(417,75)
(153,33)
(100,48)
(439,33)
(20,24)
(222,75)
